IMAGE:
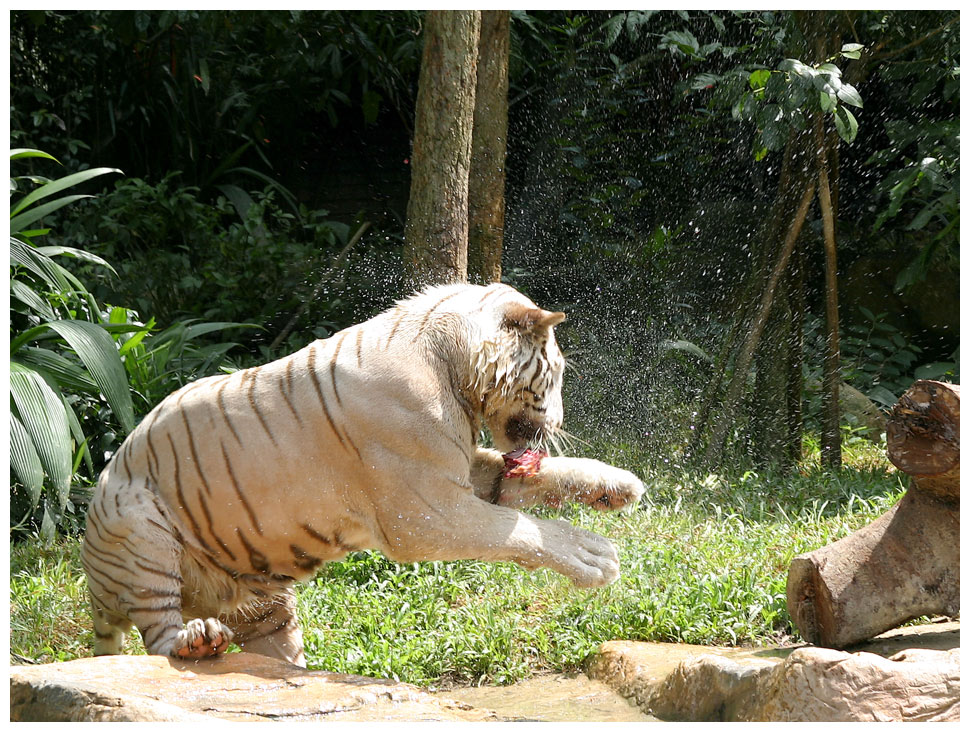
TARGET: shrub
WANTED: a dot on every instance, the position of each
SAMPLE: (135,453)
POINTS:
(63,363)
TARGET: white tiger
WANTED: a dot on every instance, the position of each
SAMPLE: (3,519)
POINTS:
(235,487)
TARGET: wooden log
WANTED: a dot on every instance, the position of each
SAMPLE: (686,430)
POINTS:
(906,563)
(923,438)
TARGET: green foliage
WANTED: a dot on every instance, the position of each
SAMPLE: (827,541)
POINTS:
(205,91)
(180,257)
(879,360)
(781,100)
(75,364)
(925,183)
(63,362)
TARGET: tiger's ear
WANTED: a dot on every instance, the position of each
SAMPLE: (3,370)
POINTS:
(537,320)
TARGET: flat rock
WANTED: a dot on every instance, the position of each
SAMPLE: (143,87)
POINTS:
(237,687)
(912,674)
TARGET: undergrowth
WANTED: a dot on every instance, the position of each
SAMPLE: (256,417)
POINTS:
(704,560)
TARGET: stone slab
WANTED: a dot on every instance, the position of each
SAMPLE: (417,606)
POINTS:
(234,687)
(910,674)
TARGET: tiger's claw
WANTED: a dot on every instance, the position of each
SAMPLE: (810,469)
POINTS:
(202,638)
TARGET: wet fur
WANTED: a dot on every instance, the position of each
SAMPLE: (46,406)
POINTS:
(236,487)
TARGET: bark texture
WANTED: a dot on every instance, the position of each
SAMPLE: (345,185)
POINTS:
(436,231)
(486,184)
(906,563)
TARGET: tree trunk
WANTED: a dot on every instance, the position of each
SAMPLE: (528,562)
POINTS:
(743,361)
(486,184)
(906,563)
(831,438)
(796,379)
(436,231)
(791,184)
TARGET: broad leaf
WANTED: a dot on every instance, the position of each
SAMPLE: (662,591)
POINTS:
(24,460)
(32,300)
(846,124)
(25,219)
(26,256)
(41,412)
(56,186)
(53,251)
(59,370)
(850,95)
(25,152)
(99,354)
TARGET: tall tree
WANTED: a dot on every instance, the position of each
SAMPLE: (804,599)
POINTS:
(805,108)
(486,185)
(436,231)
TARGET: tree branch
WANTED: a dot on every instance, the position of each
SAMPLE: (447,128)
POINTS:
(882,58)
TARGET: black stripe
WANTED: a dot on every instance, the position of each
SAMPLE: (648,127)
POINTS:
(303,559)
(106,558)
(101,583)
(316,534)
(257,559)
(333,366)
(360,335)
(212,531)
(183,504)
(225,412)
(161,609)
(98,522)
(160,630)
(252,403)
(427,315)
(311,363)
(160,572)
(124,459)
(401,314)
(336,541)
(195,454)
(235,484)
(152,455)
(286,386)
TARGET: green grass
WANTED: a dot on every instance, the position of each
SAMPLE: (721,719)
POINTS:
(704,560)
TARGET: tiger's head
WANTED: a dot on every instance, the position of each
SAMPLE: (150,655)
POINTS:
(522,398)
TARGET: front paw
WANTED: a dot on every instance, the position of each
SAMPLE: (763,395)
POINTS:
(613,490)
(597,484)
(591,560)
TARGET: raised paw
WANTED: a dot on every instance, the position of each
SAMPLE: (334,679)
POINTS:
(612,493)
(599,485)
(202,638)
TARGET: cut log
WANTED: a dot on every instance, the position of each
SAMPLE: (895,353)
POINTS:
(923,438)
(906,563)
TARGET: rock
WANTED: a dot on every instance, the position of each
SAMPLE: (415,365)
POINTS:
(238,687)
(861,410)
(794,685)
(911,673)
(823,685)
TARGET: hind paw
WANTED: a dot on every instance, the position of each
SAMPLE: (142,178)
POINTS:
(202,638)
